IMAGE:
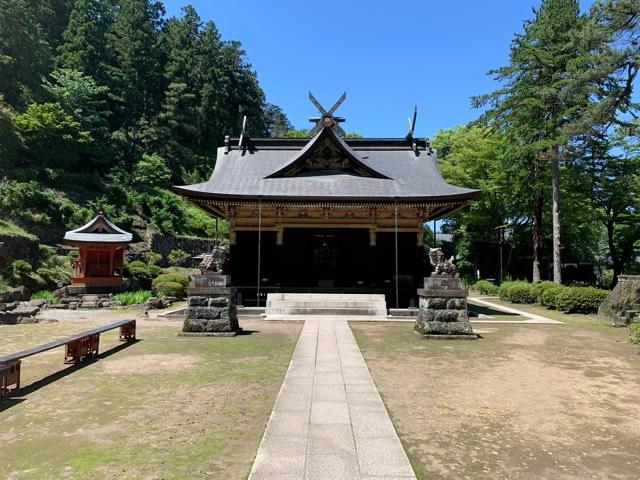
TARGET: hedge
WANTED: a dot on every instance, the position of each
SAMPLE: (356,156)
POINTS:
(517,292)
(485,287)
(580,299)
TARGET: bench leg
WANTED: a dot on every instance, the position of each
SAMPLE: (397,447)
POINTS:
(10,376)
(128,332)
(73,351)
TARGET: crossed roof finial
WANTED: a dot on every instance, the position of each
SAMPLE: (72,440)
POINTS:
(327,119)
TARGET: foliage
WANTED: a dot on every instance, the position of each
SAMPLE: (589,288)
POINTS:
(19,273)
(172,277)
(517,292)
(142,273)
(549,297)
(153,258)
(485,287)
(9,228)
(53,269)
(45,295)
(152,171)
(539,288)
(580,299)
(169,289)
(178,257)
(133,298)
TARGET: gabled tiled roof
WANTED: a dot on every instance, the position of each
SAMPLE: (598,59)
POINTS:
(397,172)
(99,230)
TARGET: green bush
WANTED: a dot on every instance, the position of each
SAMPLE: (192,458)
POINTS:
(178,258)
(540,287)
(54,269)
(45,295)
(171,277)
(486,288)
(142,273)
(550,294)
(517,292)
(169,289)
(580,299)
(19,273)
(133,298)
(153,258)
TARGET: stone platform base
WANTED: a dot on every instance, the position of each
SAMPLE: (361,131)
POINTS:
(211,334)
(444,336)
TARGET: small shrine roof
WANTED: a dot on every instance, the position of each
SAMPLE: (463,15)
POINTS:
(98,230)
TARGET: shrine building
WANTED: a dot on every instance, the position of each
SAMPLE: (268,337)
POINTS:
(327,214)
(101,247)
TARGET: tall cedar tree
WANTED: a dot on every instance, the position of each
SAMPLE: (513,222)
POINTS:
(84,43)
(136,83)
(537,104)
(25,55)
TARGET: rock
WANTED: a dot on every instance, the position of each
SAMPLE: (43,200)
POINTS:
(38,303)
(212,314)
(625,297)
(59,306)
(115,303)
(17,294)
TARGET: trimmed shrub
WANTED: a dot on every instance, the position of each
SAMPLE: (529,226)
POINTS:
(142,273)
(169,289)
(517,292)
(178,257)
(580,299)
(549,295)
(486,288)
(540,287)
(133,298)
(171,277)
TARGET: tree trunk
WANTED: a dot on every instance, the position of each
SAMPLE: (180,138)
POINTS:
(555,183)
(617,264)
(538,200)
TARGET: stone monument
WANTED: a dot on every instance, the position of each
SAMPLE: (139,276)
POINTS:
(211,307)
(442,312)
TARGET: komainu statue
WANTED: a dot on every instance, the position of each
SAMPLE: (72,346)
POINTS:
(440,265)
(213,262)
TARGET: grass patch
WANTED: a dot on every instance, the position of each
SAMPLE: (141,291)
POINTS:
(133,298)
(44,295)
(163,407)
(10,228)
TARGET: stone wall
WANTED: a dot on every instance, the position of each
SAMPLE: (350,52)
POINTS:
(163,244)
(19,247)
(623,303)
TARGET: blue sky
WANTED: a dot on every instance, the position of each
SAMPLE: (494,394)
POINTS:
(387,56)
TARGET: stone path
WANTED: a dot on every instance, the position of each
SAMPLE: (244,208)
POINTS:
(532,317)
(329,421)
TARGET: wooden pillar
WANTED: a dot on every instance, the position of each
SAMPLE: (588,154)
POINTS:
(280,236)
(111,257)
(372,236)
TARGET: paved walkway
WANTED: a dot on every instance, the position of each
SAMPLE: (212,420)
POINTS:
(532,317)
(329,421)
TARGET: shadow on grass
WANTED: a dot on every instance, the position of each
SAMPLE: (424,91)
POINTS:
(491,312)
(17,396)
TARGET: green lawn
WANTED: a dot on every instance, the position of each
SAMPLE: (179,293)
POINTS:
(164,407)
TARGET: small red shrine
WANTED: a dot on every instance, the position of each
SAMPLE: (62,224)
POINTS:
(101,245)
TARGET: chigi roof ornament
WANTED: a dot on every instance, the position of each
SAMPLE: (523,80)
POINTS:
(327,119)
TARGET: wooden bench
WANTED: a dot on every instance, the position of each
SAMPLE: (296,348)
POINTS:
(78,347)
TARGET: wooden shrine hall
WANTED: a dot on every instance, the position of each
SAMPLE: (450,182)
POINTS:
(327,214)
(101,247)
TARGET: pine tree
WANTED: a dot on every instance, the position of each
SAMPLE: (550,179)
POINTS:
(538,105)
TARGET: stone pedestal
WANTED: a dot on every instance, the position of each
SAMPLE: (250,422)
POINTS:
(442,312)
(211,308)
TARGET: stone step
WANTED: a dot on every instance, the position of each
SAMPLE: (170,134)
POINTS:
(376,312)
(325,304)
(326,296)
